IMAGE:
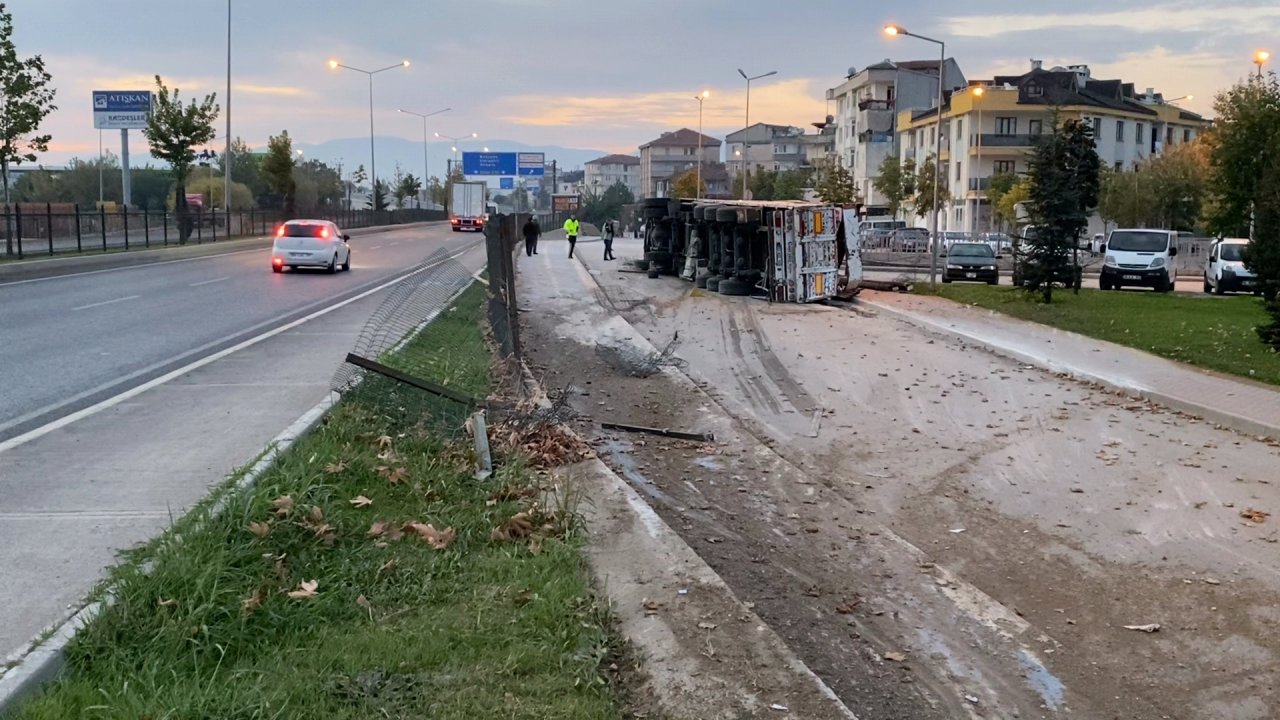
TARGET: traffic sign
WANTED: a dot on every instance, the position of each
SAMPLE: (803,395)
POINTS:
(507,183)
(121,109)
(522,164)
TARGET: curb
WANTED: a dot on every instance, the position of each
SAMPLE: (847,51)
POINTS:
(1214,415)
(41,661)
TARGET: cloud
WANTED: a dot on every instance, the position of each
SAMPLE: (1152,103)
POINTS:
(795,102)
(276,90)
(1191,19)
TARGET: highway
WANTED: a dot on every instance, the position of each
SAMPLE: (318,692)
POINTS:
(128,392)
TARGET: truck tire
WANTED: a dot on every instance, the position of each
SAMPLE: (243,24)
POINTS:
(656,203)
(726,215)
(660,258)
(712,283)
(701,281)
(734,287)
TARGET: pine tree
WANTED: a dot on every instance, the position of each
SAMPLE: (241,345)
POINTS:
(1063,189)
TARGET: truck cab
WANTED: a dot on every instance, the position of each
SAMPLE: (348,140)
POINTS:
(1139,257)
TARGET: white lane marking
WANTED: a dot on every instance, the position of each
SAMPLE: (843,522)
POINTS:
(375,247)
(210,282)
(106,302)
(133,392)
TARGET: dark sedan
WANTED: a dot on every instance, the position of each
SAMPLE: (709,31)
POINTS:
(971,262)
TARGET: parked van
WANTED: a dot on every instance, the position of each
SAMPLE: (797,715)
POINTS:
(1139,257)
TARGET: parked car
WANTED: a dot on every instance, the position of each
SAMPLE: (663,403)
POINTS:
(1224,269)
(1139,257)
(955,236)
(910,239)
(972,262)
(1001,243)
(310,243)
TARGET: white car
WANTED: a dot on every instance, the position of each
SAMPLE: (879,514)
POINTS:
(310,243)
(1224,271)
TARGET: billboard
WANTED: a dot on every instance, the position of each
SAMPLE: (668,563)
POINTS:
(121,109)
(565,203)
(503,164)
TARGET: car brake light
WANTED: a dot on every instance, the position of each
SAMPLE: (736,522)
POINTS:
(280,231)
(324,233)
(277,261)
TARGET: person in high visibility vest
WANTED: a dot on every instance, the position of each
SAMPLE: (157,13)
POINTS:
(571,228)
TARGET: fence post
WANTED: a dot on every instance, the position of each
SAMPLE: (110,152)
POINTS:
(124,216)
(146,226)
(213,223)
(17,211)
(102,225)
(79,238)
(199,230)
(164,223)
(8,239)
(48,219)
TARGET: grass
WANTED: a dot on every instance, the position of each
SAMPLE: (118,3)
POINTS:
(394,628)
(1212,333)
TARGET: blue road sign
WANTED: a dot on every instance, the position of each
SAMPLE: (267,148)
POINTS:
(121,109)
(521,164)
(507,183)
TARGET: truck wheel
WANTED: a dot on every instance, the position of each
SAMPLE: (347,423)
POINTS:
(734,287)
(660,258)
(712,283)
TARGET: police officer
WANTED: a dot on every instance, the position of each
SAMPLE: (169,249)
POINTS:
(571,227)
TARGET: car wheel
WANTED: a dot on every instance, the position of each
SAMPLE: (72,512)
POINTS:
(994,282)
(346,265)
(1207,287)
(946,280)
(333,264)
(1104,285)
(1218,290)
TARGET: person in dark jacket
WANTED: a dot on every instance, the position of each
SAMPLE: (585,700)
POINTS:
(608,239)
(531,231)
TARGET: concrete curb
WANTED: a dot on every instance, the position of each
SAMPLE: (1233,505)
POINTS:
(40,662)
(1214,415)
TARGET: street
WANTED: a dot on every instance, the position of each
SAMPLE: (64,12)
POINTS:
(937,531)
(132,391)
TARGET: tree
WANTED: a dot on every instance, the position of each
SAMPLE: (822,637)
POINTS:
(246,167)
(924,199)
(608,205)
(378,201)
(896,182)
(408,187)
(1006,209)
(1064,181)
(436,192)
(685,185)
(318,185)
(174,130)
(360,177)
(999,185)
(213,188)
(26,99)
(835,185)
(1167,192)
(277,171)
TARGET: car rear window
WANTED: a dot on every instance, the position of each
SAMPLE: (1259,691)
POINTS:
(971,250)
(306,230)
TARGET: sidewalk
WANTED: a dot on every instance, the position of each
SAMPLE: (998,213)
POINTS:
(1239,404)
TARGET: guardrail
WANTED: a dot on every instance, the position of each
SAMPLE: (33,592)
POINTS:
(31,229)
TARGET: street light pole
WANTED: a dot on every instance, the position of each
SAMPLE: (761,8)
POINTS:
(373,157)
(1260,58)
(746,129)
(700,98)
(457,142)
(894,30)
(426,169)
(978,92)
(226,153)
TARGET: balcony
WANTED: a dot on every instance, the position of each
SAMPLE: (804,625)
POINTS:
(1008,141)
(868,136)
(979,184)
(873,104)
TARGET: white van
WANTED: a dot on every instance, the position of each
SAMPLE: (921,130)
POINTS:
(1139,257)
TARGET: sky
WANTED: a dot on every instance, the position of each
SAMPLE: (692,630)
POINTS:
(602,74)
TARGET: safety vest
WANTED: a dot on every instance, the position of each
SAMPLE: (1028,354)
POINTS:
(570,227)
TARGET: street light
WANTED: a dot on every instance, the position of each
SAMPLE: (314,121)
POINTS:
(1260,58)
(746,128)
(1184,97)
(700,98)
(373,156)
(456,142)
(426,169)
(894,31)
(978,92)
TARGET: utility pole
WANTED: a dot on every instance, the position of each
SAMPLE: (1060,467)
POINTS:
(555,187)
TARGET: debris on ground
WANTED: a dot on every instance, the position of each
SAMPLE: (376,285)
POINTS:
(1255,516)
(1148,628)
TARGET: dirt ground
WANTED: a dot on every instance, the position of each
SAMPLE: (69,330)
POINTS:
(937,532)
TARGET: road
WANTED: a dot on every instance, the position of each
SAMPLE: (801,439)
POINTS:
(129,392)
(937,531)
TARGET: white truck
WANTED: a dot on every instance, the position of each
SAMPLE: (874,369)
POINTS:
(467,201)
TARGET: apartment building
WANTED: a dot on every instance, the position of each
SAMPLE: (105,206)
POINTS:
(672,153)
(991,128)
(605,172)
(765,147)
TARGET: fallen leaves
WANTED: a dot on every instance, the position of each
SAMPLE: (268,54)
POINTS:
(282,505)
(546,445)
(334,468)
(259,529)
(895,657)
(384,442)
(1257,517)
(254,601)
(361,501)
(363,602)
(306,589)
(438,539)
(394,475)
(515,527)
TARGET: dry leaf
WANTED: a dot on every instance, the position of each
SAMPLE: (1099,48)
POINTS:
(707,626)
(393,475)
(254,601)
(334,468)
(1255,516)
(316,514)
(168,603)
(384,442)
(363,602)
(361,501)
(259,529)
(1150,628)
(516,526)
(895,656)
(438,539)
(388,566)
(377,529)
(306,589)
(535,546)
(283,505)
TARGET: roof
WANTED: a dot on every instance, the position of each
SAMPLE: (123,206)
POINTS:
(919,65)
(684,137)
(615,160)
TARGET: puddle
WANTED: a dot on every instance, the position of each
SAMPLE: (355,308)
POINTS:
(1045,683)
(709,463)
(619,454)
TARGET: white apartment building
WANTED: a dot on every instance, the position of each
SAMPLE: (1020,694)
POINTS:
(672,153)
(867,107)
(605,172)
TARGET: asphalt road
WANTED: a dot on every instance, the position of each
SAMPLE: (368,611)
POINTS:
(69,341)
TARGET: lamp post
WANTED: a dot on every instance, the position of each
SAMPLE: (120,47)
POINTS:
(373,160)
(426,169)
(1184,97)
(893,31)
(700,98)
(457,141)
(226,153)
(746,128)
(1260,58)
(978,92)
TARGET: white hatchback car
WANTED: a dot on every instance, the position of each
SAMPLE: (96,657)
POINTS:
(310,243)
(1224,271)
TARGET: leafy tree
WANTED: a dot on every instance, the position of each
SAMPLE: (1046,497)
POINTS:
(685,185)
(436,192)
(836,185)
(174,130)
(608,205)
(923,200)
(25,100)
(409,187)
(1063,189)
(1168,191)
(360,177)
(896,182)
(1262,254)
(1006,209)
(213,188)
(319,185)
(277,171)
(999,186)
(246,167)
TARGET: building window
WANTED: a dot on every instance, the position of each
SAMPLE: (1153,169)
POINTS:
(1004,166)
(1119,165)
(1097,127)
(957,170)
(889,95)
(1006,126)
(1119,131)
(1186,136)
(1137,133)
(1035,127)
(1034,90)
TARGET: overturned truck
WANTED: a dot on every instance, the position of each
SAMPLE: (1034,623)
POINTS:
(784,250)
